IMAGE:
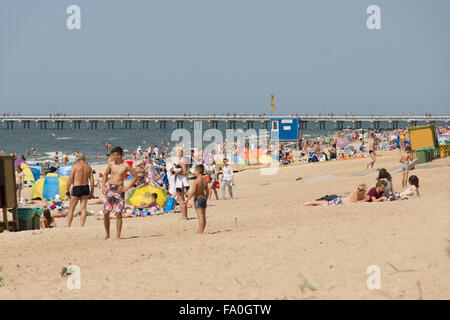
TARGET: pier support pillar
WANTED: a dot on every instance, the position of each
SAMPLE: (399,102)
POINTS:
(356,124)
(231,125)
(412,123)
(304,125)
(375,124)
(339,125)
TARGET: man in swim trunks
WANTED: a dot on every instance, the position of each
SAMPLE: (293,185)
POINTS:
(80,177)
(200,192)
(115,192)
(372,154)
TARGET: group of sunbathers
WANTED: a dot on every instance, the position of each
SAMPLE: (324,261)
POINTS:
(383,191)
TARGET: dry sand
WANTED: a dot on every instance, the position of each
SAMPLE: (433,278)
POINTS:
(258,246)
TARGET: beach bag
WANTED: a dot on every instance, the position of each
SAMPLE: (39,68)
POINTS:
(170,204)
(207,179)
(217,186)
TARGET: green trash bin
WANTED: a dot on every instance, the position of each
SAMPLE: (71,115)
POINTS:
(422,155)
(26,218)
(36,221)
(430,153)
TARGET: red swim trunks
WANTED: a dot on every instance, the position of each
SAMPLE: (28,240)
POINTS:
(114,199)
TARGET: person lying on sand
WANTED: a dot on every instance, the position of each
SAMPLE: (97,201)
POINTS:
(411,191)
(356,196)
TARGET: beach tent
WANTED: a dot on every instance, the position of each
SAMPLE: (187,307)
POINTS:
(65,170)
(143,193)
(31,173)
(49,186)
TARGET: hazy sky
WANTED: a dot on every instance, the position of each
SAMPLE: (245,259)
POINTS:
(210,56)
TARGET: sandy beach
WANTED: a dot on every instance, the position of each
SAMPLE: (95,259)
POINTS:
(262,245)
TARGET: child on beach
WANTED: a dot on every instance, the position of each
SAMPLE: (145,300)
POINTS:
(144,206)
(227,179)
(405,158)
(115,192)
(200,192)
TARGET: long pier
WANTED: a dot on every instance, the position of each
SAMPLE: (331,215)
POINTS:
(247,121)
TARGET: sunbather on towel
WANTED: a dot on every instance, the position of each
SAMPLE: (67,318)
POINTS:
(356,196)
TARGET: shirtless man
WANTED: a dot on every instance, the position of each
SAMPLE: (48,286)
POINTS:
(200,193)
(372,154)
(356,196)
(115,193)
(80,177)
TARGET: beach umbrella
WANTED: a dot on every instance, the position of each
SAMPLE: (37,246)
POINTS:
(342,142)
(65,170)
(143,194)
(49,186)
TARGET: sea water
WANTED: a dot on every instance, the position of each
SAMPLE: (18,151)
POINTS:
(93,141)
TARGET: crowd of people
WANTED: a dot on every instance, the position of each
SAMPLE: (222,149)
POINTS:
(168,167)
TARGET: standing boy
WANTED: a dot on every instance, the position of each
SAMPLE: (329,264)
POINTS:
(115,192)
(200,193)
(405,158)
